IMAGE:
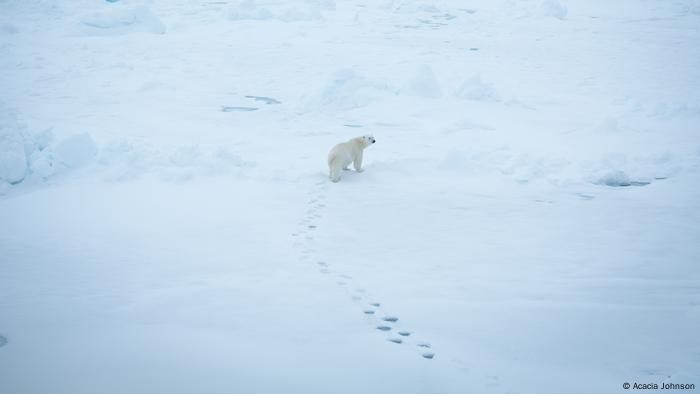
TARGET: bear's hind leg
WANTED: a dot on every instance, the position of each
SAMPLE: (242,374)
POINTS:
(334,174)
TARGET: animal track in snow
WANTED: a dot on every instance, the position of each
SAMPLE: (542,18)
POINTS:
(374,313)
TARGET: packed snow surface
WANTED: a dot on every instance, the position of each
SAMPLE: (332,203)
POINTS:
(527,222)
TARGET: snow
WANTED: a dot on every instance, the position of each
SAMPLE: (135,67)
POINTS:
(423,84)
(475,89)
(347,89)
(527,220)
(122,21)
(285,11)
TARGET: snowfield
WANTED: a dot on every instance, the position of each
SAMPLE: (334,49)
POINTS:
(527,222)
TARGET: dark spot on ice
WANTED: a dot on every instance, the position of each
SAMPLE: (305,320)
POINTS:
(395,340)
(444,16)
(237,109)
(428,355)
(322,264)
(425,345)
(404,333)
(390,318)
(639,183)
(383,328)
(374,303)
(352,125)
(266,100)
(473,49)
(432,24)
(312,227)
(369,312)
(3,341)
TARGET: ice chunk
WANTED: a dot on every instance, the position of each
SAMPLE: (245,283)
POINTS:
(42,163)
(554,9)
(43,139)
(13,153)
(13,166)
(76,150)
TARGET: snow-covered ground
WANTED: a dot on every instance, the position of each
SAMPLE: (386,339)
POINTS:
(527,222)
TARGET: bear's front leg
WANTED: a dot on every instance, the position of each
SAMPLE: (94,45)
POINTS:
(357,163)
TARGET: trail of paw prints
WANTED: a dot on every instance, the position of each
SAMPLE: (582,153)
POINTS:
(389,324)
(303,238)
(372,310)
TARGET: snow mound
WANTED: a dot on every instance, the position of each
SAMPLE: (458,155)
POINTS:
(554,9)
(422,84)
(283,11)
(476,89)
(33,158)
(117,20)
(615,178)
(124,160)
(347,89)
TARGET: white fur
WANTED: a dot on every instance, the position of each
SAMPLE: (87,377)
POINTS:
(345,153)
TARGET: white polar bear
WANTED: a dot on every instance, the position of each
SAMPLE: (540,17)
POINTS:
(348,152)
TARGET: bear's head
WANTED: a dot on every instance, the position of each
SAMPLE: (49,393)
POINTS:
(367,140)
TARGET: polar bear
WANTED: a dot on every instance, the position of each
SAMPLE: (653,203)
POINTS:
(348,152)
